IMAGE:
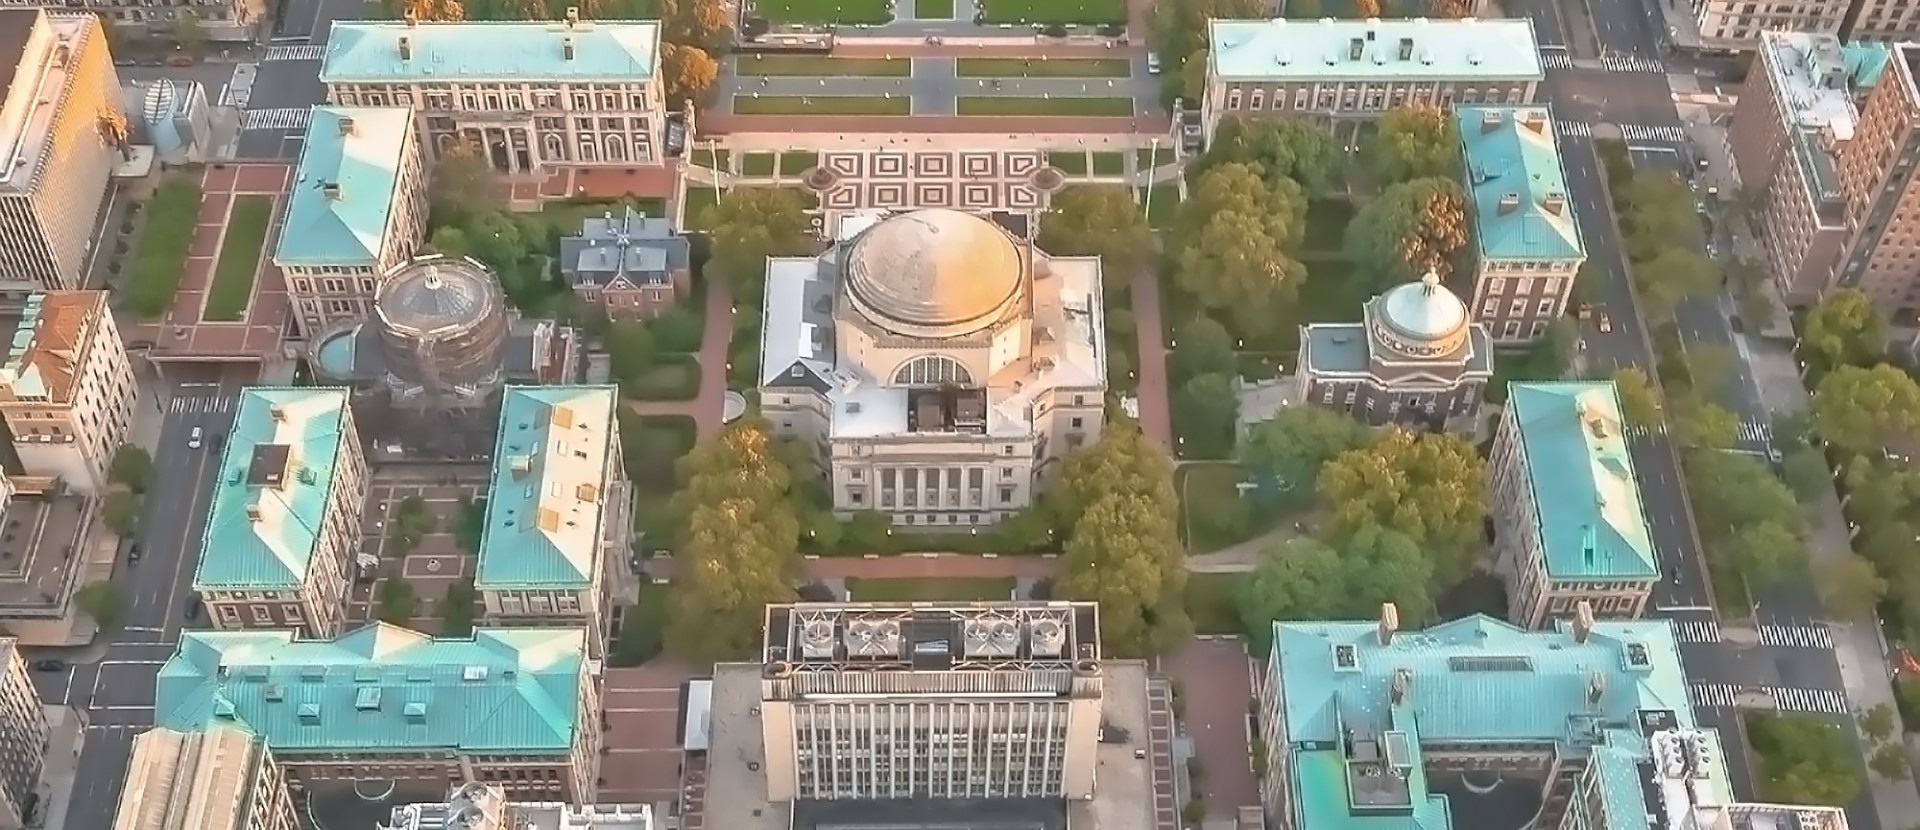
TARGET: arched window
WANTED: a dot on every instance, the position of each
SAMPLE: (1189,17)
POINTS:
(932,370)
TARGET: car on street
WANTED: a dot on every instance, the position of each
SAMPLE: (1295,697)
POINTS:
(49,664)
(1586,311)
(1605,323)
(195,438)
(1153,63)
(133,555)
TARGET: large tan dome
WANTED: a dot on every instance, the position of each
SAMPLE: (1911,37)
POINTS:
(934,273)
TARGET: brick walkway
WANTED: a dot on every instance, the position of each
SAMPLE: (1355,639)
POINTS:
(1155,420)
(706,409)
(722,123)
(182,332)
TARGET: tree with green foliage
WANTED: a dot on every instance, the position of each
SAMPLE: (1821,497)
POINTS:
(1415,141)
(1639,400)
(1307,579)
(1281,148)
(1288,451)
(748,225)
(1805,470)
(121,512)
(463,184)
(396,601)
(1850,588)
(639,637)
(103,602)
(132,468)
(631,353)
(1889,761)
(703,24)
(1845,329)
(1671,276)
(410,523)
(1233,241)
(1116,499)
(1749,522)
(688,73)
(188,32)
(1412,228)
(470,524)
(1100,220)
(457,608)
(1201,346)
(1698,424)
(1430,487)
(1863,410)
(739,543)
(1659,216)
(1180,29)
(1803,759)
(1206,416)
(1878,723)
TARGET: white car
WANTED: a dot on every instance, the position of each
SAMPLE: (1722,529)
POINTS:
(193,438)
(1153,64)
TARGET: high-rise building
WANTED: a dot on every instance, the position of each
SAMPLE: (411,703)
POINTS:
(284,524)
(67,389)
(57,123)
(23,738)
(1793,121)
(218,779)
(1529,246)
(357,210)
(530,97)
(1565,505)
(1877,176)
(559,512)
(514,707)
(1364,724)
(220,20)
(1333,69)
(1880,20)
(926,714)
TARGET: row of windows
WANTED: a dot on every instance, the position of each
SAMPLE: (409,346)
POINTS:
(1375,97)
(1516,308)
(498,102)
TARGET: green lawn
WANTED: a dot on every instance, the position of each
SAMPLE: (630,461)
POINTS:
(821,105)
(1093,12)
(1032,68)
(1210,602)
(1004,105)
(160,254)
(933,9)
(716,159)
(930,590)
(232,288)
(1148,158)
(1165,202)
(1078,164)
(795,162)
(1327,221)
(807,66)
(1070,163)
(651,444)
(565,216)
(757,164)
(790,163)
(1109,164)
(673,377)
(823,11)
(698,199)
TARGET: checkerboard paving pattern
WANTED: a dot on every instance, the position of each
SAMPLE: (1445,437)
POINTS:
(912,180)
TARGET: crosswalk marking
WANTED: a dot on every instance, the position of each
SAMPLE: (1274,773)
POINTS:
(1774,635)
(1632,63)
(278,118)
(1667,133)
(1556,60)
(1785,698)
(200,403)
(300,52)
(1751,432)
(1574,128)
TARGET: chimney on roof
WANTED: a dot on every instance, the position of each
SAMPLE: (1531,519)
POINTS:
(277,414)
(331,190)
(1582,621)
(412,19)
(566,47)
(406,48)
(253,513)
(1535,121)
(1389,622)
(1555,202)
(1509,202)
(1489,120)
(346,126)
(1402,683)
(1356,49)
(573,16)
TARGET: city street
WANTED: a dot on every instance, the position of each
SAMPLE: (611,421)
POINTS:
(117,691)
(288,78)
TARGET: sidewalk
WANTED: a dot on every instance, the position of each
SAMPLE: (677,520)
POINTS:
(66,734)
(1857,647)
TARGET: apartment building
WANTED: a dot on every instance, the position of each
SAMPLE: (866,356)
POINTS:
(62,95)
(629,265)
(1358,719)
(23,741)
(1791,124)
(1876,171)
(515,708)
(1566,506)
(1880,20)
(937,365)
(530,96)
(220,778)
(559,513)
(219,20)
(67,388)
(284,524)
(1333,69)
(357,210)
(1527,240)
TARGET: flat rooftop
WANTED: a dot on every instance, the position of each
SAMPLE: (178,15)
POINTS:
(1813,94)
(36,87)
(40,547)
(930,637)
(1328,49)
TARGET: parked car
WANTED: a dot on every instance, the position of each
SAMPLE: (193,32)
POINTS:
(49,664)
(1153,63)
(133,555)
(195,438)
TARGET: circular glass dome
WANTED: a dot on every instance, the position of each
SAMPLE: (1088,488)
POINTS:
(1423,317)
(934,273)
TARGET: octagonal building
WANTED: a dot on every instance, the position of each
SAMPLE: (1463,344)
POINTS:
(939,364)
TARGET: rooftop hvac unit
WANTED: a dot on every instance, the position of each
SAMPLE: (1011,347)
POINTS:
(873,638)
(991,638)
(1046,638)
(817,640)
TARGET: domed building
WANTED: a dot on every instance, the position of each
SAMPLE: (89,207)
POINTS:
(939,364)
(1415,357)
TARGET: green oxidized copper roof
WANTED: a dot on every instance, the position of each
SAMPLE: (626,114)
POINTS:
(1586,498)
(380,689)
(367,51)
(343,194)
(1513,170)
(280,461)
(556,452)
